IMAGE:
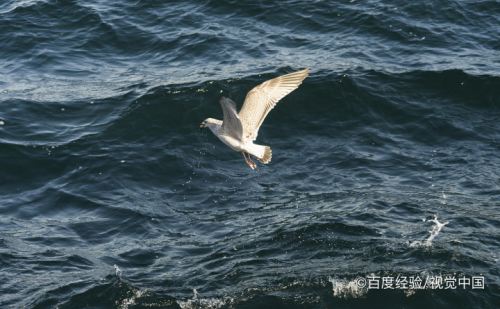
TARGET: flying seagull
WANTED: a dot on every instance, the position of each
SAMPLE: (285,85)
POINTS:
(239,130)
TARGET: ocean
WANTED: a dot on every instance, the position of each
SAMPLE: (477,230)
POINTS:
(383,190)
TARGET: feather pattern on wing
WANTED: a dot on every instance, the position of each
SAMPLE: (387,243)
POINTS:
(262,99)
(231,124)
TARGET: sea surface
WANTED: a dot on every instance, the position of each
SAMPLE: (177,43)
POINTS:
(386,160)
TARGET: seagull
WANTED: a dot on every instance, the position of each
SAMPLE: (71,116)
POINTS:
(239,130)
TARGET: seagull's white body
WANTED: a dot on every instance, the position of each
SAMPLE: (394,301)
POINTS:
(239,130)
(233,143)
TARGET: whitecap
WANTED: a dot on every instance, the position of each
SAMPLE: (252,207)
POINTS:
(347,288)
(118,271)
(124,304)
(436,228)
(205,303)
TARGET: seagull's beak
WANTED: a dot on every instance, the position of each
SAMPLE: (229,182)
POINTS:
(202,125)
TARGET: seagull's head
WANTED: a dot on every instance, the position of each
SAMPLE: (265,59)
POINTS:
(209,122)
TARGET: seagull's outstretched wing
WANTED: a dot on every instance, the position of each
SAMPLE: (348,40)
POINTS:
(261,99)
(231,125)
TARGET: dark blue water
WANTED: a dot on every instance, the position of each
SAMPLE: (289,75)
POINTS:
(385,161)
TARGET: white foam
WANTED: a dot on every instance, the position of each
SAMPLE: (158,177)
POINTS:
(345,288)
(205,303)
(118,271)
(131,300)
(409,292)
(438,226)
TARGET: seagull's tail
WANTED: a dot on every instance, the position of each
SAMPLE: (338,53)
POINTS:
(262,153)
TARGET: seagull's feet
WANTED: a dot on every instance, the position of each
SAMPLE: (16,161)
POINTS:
(252,164)
(249,161)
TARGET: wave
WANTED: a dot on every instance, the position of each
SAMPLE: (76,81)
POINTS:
(189,42)
(115,292)
(103,162)
(421,102)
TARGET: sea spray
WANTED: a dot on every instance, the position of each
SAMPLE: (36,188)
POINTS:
(436,228)
(209,303)
(118,271)
(346,288)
